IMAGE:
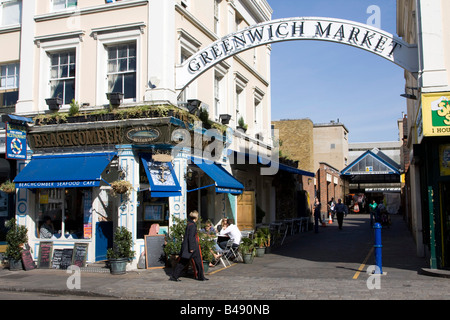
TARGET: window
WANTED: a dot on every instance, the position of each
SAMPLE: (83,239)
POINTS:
(121,72)
(9,84)
(63,4)
(69,211)
(62,75)
(217,81)
(11,12)
(216,16)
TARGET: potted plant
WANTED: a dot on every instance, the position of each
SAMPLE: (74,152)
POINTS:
(121,187)
(242,126)
(206,245)
(120,254)
(8,187)
(225,118)
(265,233)
(54,103)
(172,247)
(16,237)
(115,98)
(260,243)
(247,250)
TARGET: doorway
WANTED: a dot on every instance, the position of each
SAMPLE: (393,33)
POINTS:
(246,211)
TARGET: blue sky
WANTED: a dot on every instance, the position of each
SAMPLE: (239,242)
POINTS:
(326,81)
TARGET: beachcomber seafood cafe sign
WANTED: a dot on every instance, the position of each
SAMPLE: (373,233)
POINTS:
(341,31)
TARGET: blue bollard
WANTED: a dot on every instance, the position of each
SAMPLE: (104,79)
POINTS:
(377,227)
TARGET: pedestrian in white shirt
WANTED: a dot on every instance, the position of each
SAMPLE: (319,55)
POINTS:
(231,231)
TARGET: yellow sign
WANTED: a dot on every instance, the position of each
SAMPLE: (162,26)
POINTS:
(436,114)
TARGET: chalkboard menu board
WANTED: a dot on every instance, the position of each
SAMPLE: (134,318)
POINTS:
(45,254)
(57,256)
(27,259)
(79,254)
(154,253)
(66,258)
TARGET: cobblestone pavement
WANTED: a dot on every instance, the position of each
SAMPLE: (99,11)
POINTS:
(309,266)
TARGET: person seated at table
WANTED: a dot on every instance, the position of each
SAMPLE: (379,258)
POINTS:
(222,224)
(208,228)
(46,231)
(233,232)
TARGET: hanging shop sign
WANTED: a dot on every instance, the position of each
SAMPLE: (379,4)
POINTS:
(436,114)
(16,141)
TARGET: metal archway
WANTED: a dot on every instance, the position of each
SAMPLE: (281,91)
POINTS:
(346,32)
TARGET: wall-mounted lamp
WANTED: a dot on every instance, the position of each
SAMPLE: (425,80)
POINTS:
(410,96)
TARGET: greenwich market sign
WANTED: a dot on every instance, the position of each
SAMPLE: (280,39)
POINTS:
(351,33)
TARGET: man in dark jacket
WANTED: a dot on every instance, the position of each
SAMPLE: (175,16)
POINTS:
(341,209)
(190,249)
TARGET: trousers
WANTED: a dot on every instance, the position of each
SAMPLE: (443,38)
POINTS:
(183,262)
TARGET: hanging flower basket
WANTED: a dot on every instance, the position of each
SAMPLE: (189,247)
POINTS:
(8,187)
(121,187)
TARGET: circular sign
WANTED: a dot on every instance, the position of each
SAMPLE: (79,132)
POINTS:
(16,146)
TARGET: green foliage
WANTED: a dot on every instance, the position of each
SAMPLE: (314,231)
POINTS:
(122,244)
(206,245)
(8,186)
(176,235)
(74,108)
(262,237)
(247,246)
(242,124)
(16,237)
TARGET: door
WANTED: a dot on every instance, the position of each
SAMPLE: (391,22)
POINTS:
(103,239)
(246,211)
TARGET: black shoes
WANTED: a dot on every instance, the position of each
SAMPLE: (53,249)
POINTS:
(174,279)
(203,279)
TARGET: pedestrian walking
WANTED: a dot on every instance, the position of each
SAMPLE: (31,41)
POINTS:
(317,218)
(372,207)
(332,208)
(190,250)
(341,209)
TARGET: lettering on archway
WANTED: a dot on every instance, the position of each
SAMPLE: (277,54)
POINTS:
(351,33)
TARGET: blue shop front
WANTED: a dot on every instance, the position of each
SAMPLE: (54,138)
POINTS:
(68,184)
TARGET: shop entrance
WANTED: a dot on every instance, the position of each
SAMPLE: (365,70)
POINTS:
(445,223)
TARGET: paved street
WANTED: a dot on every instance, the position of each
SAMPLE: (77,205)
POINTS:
(308,266)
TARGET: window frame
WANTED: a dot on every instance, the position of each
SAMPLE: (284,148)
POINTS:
(111,38)
(119,73)
(2,3)
(60,66)
(48,47)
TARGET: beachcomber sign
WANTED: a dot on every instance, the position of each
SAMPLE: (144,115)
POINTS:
(341,31)
(16,142)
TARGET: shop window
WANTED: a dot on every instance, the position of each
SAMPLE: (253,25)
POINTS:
(62,75)
(69,211)
(151,211)
(121,72)
(9,84)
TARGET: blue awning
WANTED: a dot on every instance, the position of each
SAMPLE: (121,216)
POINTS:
(224,181)
(64,171)
(162,178)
